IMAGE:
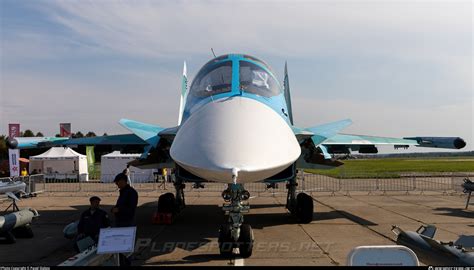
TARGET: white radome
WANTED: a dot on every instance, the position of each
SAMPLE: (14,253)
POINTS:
(235,133)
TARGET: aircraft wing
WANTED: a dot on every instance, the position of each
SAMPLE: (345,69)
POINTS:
(320,142)
(152,137)
(366,144)
(45,142)
(349,139)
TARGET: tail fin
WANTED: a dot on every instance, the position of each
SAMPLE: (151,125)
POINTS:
(286,85)
(184,91)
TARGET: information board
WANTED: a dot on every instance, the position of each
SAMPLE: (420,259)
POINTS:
(116,240)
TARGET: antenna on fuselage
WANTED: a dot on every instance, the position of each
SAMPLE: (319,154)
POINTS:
(212,50)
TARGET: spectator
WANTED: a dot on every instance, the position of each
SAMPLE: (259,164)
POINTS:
(127,201)
(125,207)
(92,220)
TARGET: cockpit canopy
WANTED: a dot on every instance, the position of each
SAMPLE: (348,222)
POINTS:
(216,77)
(256,80)
(212,80)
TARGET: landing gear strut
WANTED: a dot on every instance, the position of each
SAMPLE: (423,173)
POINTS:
(235,234)
(301,205)
(180,186)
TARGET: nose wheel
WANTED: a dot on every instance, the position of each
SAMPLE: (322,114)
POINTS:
(235,234)
(304,208)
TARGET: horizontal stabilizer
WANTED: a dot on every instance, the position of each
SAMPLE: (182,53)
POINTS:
(325,131)
(146,132)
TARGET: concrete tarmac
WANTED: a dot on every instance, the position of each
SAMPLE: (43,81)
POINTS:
(340,223)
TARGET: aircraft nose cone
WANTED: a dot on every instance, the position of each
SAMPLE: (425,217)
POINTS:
(235,133)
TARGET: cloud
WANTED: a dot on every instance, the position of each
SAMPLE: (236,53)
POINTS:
(409,62)
(170,28)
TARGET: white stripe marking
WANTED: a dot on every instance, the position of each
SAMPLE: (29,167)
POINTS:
(238,261)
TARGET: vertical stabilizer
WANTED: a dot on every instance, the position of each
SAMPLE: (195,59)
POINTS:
(184,91)
(286,85)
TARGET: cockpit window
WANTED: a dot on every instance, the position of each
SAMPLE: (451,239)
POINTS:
(212,80)
(256,80)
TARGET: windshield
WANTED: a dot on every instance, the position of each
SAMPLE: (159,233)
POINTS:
(256,80)
(212,80)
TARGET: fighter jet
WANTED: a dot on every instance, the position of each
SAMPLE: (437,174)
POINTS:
(235,126)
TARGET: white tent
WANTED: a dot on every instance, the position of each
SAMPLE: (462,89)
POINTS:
(115,162)
(60,163)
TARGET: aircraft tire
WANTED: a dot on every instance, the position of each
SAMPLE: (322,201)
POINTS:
(246,241)
(304,208)
(167,203)
(226,243)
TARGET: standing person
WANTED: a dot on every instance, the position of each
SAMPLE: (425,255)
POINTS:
(124,210)
(162,177)
(165,175)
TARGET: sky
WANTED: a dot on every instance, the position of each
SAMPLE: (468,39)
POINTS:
(396,68)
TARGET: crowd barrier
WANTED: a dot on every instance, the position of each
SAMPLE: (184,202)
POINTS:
(306,182)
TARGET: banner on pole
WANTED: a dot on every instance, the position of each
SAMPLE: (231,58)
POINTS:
(90,159)
(14,154)
(13,130)
(65,129)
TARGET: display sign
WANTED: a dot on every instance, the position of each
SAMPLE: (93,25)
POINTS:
(116,240)
(13,130)
(65,129)
(389,255)
(14,154)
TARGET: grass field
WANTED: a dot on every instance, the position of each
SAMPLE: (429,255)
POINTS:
(394,167)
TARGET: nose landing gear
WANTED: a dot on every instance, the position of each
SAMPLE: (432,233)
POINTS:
(235,234)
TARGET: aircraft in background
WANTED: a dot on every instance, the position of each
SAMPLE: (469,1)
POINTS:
(235,126)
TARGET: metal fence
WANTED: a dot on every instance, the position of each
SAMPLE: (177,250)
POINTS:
(306,182)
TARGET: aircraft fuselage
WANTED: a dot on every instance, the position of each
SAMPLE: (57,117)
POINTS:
(235,123)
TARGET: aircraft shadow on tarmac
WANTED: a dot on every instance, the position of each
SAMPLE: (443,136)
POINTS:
(455,212)
(193,228)
(197,224)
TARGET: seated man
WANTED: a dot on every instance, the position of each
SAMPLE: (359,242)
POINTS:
(92,220)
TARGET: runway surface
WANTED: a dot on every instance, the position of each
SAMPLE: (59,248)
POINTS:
(340,223)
